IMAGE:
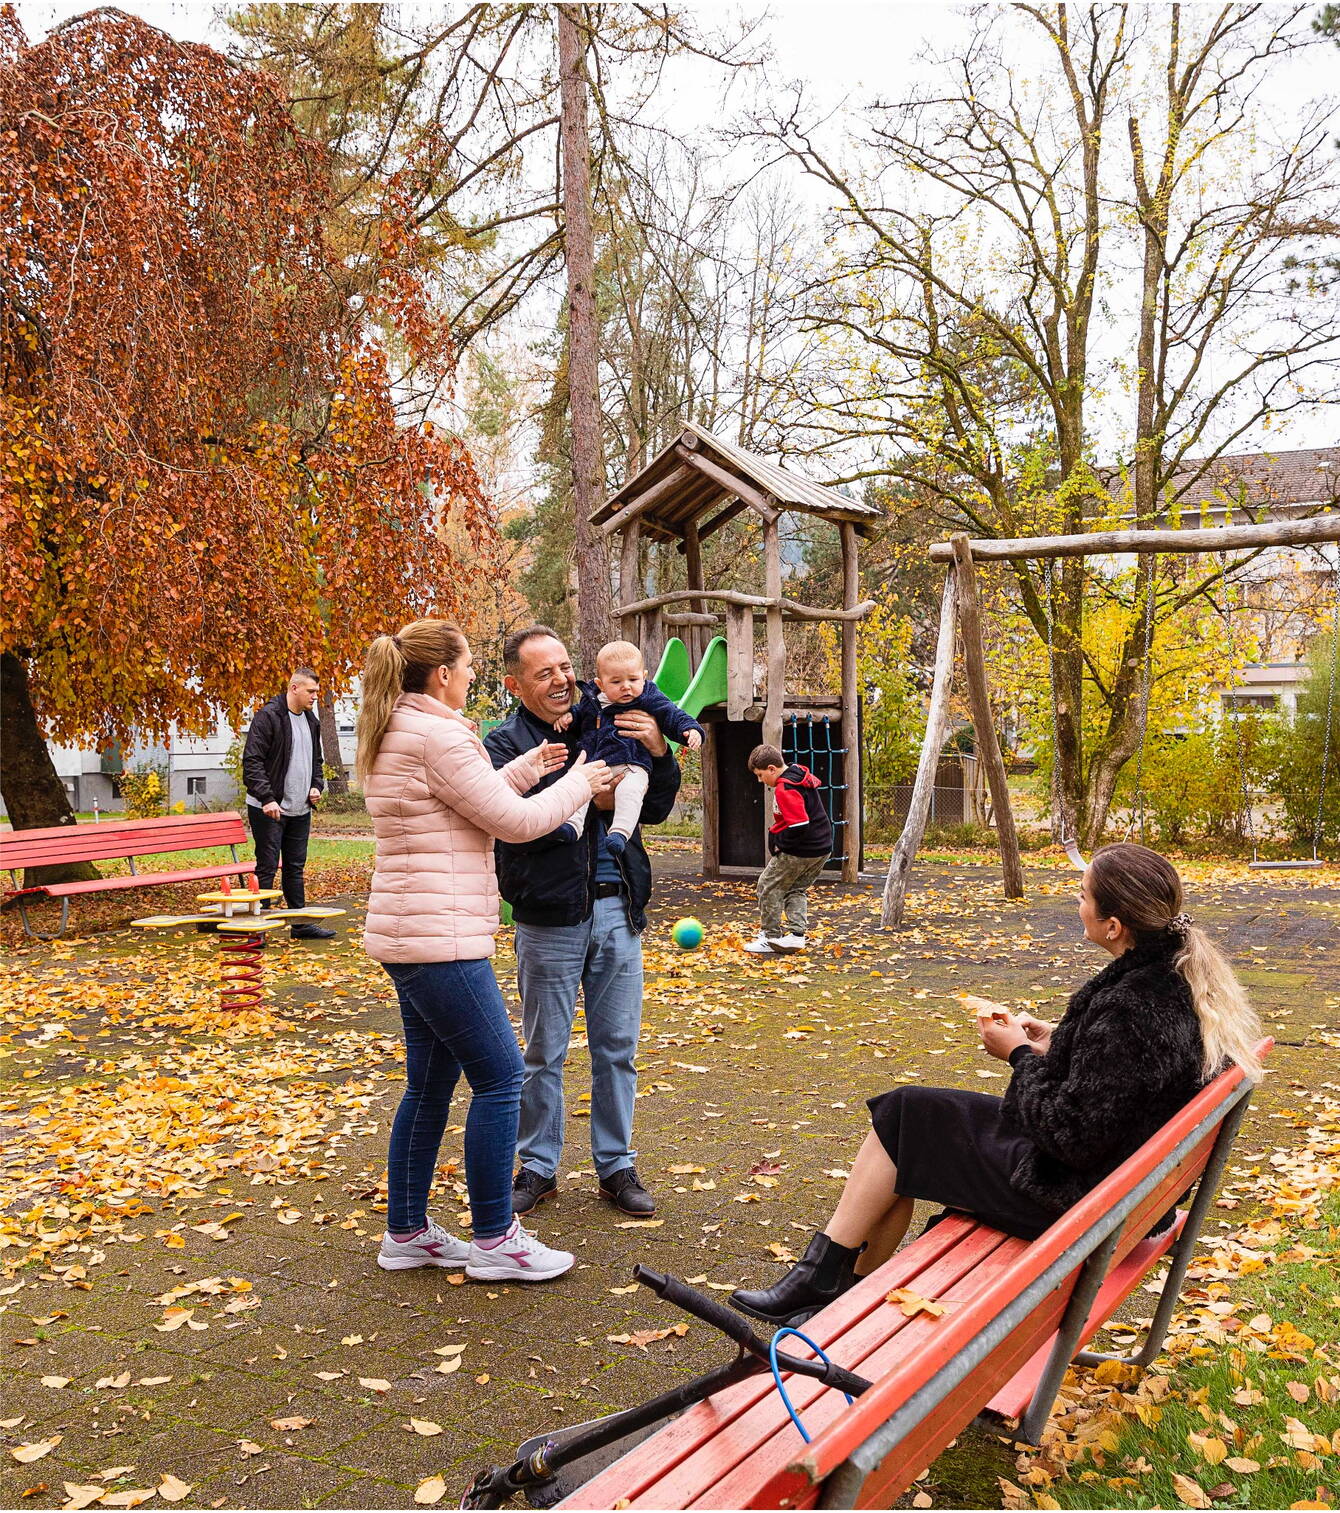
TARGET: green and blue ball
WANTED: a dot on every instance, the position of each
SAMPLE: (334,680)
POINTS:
(687,934)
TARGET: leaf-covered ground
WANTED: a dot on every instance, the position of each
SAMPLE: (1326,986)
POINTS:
(191,1205)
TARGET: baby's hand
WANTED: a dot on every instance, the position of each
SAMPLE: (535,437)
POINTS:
(693,740)
(563,721)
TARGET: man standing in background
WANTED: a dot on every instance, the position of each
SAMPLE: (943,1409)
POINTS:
(281,766)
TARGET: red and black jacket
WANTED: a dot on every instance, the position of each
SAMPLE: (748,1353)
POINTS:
(800,826)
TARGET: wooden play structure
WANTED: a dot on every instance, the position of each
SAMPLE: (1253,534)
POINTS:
(690,489)
(960,624)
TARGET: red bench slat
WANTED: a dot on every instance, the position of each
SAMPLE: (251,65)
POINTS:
(139,880)
(882,1339)
(71,843)
(637,1470)
(665,1467)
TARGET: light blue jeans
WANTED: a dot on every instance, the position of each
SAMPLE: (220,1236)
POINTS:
(601,957)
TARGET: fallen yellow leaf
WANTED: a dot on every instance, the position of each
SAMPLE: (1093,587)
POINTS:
(1190,1493)
(430,1491)
(912,1303)
(26,1454)
(425,1426)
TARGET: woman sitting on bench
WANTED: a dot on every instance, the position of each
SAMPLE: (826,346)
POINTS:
(1134,1045)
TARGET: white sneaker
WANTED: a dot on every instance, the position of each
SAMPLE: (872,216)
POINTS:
(790,943)
(761,946)
(434,1247)
(518,1257)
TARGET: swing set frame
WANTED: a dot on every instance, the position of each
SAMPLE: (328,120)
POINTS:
(960,622)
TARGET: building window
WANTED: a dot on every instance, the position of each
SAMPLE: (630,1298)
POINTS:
(1249,702)
(194,786)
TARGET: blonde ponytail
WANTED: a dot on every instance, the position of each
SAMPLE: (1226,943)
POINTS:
(400,664)
(1229,1027)
(383,683)
(1142,889)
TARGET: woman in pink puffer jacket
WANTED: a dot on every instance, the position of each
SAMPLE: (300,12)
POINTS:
(437,805)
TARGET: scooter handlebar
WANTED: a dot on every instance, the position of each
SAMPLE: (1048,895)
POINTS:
(730,1323)
(734,1327)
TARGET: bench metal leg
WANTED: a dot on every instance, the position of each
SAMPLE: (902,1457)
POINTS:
(1183,1251)
(37,934)
(1076,1315)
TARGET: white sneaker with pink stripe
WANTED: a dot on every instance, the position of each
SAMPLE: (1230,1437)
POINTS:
(516,1257)
(432,1246)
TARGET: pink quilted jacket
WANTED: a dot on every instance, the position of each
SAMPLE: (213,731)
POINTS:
(436,806)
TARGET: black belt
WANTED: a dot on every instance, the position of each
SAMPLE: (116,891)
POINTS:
(609,890)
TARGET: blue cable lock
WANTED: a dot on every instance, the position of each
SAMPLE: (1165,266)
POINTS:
(777,1373)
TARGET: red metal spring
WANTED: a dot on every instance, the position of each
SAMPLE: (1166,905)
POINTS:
(241,970)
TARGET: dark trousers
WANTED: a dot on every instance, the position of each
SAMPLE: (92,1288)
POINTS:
(281,843)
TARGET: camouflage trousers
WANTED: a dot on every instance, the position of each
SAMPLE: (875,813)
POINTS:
(782,886)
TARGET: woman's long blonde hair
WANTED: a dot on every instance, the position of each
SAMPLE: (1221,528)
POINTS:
(395,665)
(1142,889)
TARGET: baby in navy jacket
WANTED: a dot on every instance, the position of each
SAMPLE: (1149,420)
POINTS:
(621,683)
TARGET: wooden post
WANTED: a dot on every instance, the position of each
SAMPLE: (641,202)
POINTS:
(979,699)
(693,564)
(772,714)
(630,588)
(739,660)
(937,727)
(652,638)
(851,761)
(711,801)
(772,559)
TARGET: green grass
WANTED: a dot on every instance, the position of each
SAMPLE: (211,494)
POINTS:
(1234,1401)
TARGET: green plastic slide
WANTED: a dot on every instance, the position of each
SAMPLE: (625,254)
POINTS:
(709,682)
(693,691)
(674,674)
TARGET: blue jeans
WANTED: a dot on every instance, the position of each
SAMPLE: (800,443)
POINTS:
(455,1021)
(601,957)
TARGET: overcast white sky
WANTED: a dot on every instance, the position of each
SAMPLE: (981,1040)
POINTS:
(842,49)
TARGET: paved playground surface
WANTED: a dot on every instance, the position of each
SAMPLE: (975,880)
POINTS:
(191,1206)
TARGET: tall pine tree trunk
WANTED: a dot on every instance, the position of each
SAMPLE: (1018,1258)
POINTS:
(34,795)
(588,472)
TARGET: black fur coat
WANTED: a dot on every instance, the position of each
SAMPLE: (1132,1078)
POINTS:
(1125,1057)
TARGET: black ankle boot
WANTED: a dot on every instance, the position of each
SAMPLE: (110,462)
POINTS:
(823,1273)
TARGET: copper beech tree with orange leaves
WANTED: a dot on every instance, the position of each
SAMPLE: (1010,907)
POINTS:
(210,472)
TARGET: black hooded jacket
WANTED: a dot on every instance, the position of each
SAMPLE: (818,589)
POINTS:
(1125,1057)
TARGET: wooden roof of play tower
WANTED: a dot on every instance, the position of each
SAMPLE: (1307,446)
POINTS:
(700,474)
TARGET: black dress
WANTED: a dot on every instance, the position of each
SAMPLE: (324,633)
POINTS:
(1126,1055)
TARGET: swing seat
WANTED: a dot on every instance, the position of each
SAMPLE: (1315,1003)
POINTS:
(1281,866)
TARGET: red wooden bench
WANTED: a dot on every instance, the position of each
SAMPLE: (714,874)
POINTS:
(1016,1315)
(23,849)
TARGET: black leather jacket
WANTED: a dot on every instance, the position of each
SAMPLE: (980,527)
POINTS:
(551,881)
